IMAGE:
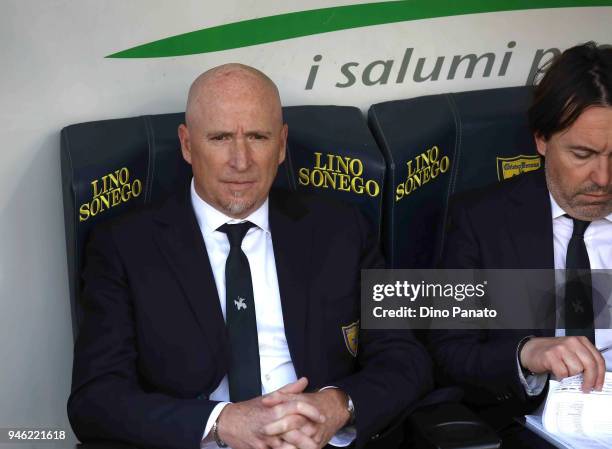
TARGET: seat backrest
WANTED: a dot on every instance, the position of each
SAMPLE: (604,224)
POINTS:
(111,166)
(334,153)
(439,145)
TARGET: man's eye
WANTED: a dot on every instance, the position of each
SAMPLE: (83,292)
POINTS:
(581,154)
(257,137)
(219,137)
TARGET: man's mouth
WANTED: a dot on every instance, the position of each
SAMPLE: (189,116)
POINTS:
(594,199)
(239,185)
(601,196)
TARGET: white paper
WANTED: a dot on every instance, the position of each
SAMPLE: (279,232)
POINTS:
(584,420)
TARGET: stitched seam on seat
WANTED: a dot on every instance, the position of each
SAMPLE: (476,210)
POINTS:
(150,156)
(451,184)
(290,172)
(379,210)
(289,162)
(391,169)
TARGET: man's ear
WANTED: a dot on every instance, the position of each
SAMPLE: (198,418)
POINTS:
(283,144)
(541,144)
(183,133)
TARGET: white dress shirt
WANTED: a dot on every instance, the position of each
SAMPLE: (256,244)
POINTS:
(598,242)
(275,361)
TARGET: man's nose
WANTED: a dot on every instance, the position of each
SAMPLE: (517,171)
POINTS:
(602,172)
(240,158)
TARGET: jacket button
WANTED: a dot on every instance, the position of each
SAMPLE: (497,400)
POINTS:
(375,437)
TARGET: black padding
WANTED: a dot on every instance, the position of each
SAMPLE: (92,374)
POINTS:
(144,154)
(468,134)
(332,152)
(89,152)
(168,168)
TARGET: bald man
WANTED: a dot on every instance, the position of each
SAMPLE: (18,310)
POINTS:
(229,315)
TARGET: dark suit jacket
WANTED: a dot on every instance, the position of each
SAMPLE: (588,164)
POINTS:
(507,226)
(153,343)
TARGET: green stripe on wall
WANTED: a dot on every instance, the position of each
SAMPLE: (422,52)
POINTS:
(317,21)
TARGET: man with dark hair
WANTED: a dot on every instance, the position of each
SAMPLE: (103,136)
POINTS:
(207,318)
(559,219)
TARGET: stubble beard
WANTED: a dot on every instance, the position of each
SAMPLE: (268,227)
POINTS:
(570,202)
(237,205)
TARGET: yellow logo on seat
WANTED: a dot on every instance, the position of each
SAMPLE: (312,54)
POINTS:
(351,337)
(507,167)
(338,172)
(112,189)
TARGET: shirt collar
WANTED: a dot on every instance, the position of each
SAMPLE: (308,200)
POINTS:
(556,209)
(209,219)
(558,212)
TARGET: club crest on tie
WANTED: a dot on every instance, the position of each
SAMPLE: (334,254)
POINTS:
(240,303)
(351,337)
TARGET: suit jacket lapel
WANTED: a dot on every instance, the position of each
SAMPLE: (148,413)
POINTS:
(180,240)
(292,240)
(529,219)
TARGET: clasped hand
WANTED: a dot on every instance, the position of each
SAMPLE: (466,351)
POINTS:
(288,418)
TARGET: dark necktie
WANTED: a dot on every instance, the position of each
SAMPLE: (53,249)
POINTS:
(578,290)
(244,374)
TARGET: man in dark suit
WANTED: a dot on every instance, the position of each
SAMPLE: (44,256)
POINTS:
(208,317)
(538,221)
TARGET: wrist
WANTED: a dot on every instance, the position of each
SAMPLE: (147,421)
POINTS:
(344,406)
(523,355)
(219,429)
